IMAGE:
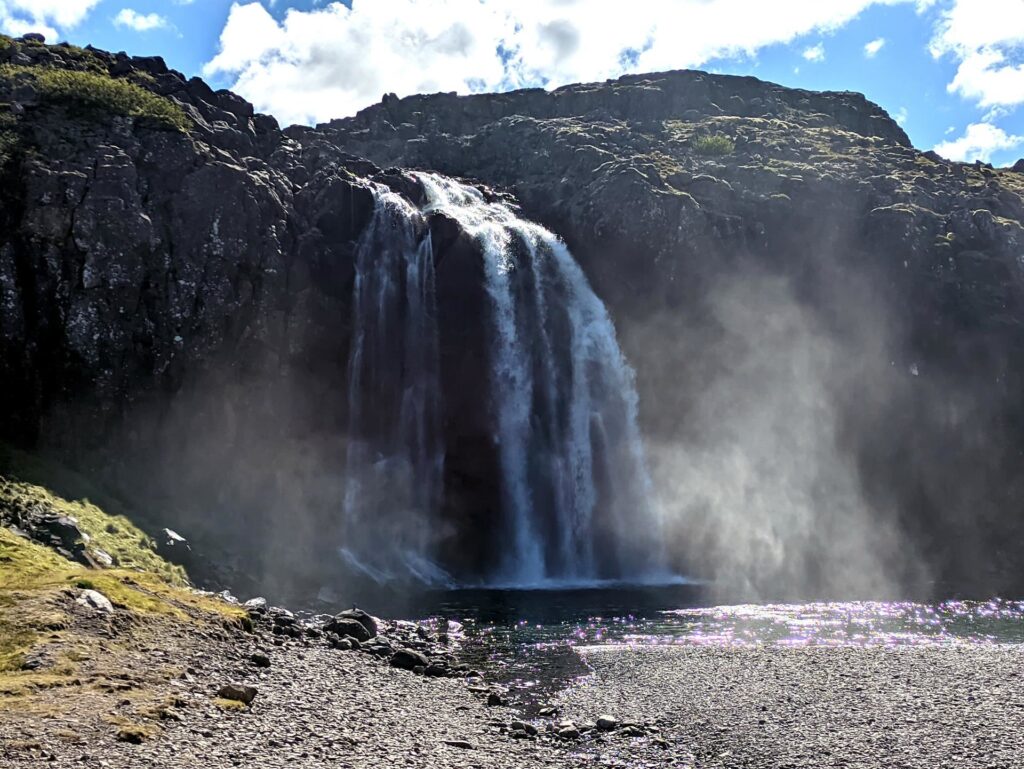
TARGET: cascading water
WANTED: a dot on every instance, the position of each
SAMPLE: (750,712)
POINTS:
(395,456)
(574,482)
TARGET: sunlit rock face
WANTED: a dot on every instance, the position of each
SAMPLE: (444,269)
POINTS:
(824,324)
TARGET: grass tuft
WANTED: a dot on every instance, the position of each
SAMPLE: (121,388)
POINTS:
(230,705)
(716,144)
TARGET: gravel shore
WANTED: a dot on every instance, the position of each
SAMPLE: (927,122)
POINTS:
(958,706)
(316,706)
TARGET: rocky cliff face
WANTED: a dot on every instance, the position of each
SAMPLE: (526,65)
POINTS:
(821,316)
(175,306)
(825,322)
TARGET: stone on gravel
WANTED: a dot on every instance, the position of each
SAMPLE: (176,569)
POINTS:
(238,692)
(360,616)
(494,700)
(348,628)
(606,722)
(464,744)
(407,659)
(260,660)
(344,644)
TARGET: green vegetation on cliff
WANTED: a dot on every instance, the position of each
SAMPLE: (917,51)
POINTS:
(85,85)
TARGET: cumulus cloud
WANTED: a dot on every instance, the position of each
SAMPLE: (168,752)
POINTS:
(979,142)
(815,53)
(48,17)
(871,49)
(330,61)
(986,37)
(140,22)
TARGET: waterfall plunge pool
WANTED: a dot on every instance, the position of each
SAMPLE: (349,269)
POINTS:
(528,639)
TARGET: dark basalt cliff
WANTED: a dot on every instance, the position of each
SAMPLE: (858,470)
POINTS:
(815,272)
(175,306)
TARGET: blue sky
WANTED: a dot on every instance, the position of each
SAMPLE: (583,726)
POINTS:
(951,71)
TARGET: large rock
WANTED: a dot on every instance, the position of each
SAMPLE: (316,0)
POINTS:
(346,627)
(360,616)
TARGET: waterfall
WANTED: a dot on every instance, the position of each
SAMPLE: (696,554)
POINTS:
(395,457)
(575,489)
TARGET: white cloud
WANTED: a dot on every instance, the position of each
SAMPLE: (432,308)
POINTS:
(871,49)
(140,22)
(901,116)
(48,17)
(979,142)
(986,37)
(814,53)
(331,61)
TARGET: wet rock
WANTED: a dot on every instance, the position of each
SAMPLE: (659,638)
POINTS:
(238,692)
(407,659)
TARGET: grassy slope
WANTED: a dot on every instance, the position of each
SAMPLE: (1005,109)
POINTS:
(38,586)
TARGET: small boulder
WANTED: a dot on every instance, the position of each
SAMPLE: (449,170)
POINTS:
(362,618)
(260,660)
(407,659)
(96,600)
(256,605)
(523,726)
(606,722)
(494,700)
(33,37)
(238,693)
